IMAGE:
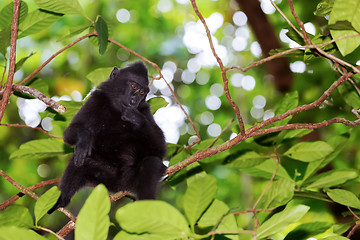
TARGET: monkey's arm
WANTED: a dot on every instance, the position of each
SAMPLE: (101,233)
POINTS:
(83,140)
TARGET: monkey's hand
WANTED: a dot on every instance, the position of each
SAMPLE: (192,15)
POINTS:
(80,155)
(83,149)
(133,116)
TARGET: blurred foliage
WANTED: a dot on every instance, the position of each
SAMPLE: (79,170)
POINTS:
(318,170)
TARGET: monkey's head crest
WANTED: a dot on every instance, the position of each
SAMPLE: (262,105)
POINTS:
(137,69)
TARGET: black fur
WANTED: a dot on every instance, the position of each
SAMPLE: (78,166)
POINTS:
(116,139)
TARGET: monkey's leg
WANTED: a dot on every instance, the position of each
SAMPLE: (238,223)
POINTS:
(148,178)
(73,179)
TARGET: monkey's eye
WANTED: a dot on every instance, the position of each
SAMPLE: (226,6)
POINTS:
(142,92)
(134,86)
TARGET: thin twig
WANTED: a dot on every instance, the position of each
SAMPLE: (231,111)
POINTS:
(222,131)
(25,126)
(18,186)
(32,188)
(39,95)
(286,52)
(50,231)
(54,55)
(9,82)
(263,193)
(222,68)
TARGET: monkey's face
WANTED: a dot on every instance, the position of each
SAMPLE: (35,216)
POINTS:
(136,94)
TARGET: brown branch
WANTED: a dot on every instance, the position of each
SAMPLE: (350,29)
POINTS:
(302,108)
(50,231)
(254,131)
(32,188)
(39,95)
(23,189)
(24,126)
(14,29)
(307,40)
(65,230)
(263,193)
(54,55)
(116,196)
(222,68)
(286,52)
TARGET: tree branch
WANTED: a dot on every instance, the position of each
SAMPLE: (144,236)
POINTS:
(32,188)
(25,126)
(39,95)
(222,68)
(14,29)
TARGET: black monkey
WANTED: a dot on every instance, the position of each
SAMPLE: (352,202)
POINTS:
(116,139)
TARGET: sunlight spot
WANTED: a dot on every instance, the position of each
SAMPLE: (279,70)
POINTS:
(259,101)
(216,89)
(236,79)
(239,44)
(206,118)
(164,6)
(248,83)
(256,112)
(297,67)
(214,130)
(123,15)
(213,102)
(255,49)
(239,18)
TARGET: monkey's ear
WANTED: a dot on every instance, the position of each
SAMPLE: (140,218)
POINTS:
(114,72)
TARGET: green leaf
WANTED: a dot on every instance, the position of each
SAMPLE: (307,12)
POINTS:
(16,233)
(154,218)
(290,101)
(266,170)
(99,75)
(294,133)
(342,25)
(75,31)
(6,14)
(61,6)
(15,215)
(281,220)
(37,21)
(337,143)
(335,237)
(309,151)
(102,31)
(346,10)
(293,35)
(45,202)
(307,230)
(324,8)
(21,62)
(245,160)
(144,236)
(279,193)
(156,103)
(198,196)
(344,197)
(93,221)
(5,36)
(332,178)
(214,214)
(37,149)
